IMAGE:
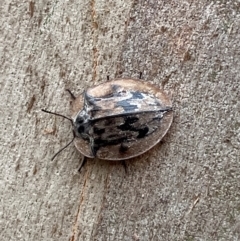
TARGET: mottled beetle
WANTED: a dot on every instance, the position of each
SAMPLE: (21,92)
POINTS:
(120,119)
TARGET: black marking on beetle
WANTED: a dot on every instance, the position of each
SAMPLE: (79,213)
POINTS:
(98,131)
(115,139)
(82,125)
(81,129)
(131,119)
(109,121)
(142,132)
(79,120)
(103,136)
(128,126)
(126,105)
(108,126)
(98,143)
(136,95)
(121,93)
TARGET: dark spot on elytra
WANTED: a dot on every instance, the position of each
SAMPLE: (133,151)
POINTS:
(98,131)
(137,95)
(98,143)
(109,121)
(126,105)
(142,132)
(128,123)
(131,119)
(127,126)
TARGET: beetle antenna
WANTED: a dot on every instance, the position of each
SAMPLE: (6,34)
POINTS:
(53,113)
(64,146)
(65,117)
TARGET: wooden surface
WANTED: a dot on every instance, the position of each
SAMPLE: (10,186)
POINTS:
(187,187)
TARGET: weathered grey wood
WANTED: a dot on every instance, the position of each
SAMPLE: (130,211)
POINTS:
(187,187)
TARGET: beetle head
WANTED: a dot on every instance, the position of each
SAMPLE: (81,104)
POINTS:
(81,125)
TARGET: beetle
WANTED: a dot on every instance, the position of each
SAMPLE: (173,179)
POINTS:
(119,119)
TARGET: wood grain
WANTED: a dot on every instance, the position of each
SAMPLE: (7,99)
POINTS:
(185,188)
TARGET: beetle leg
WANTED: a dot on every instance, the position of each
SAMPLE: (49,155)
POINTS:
(82,164)
(71,94)
(125,166)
